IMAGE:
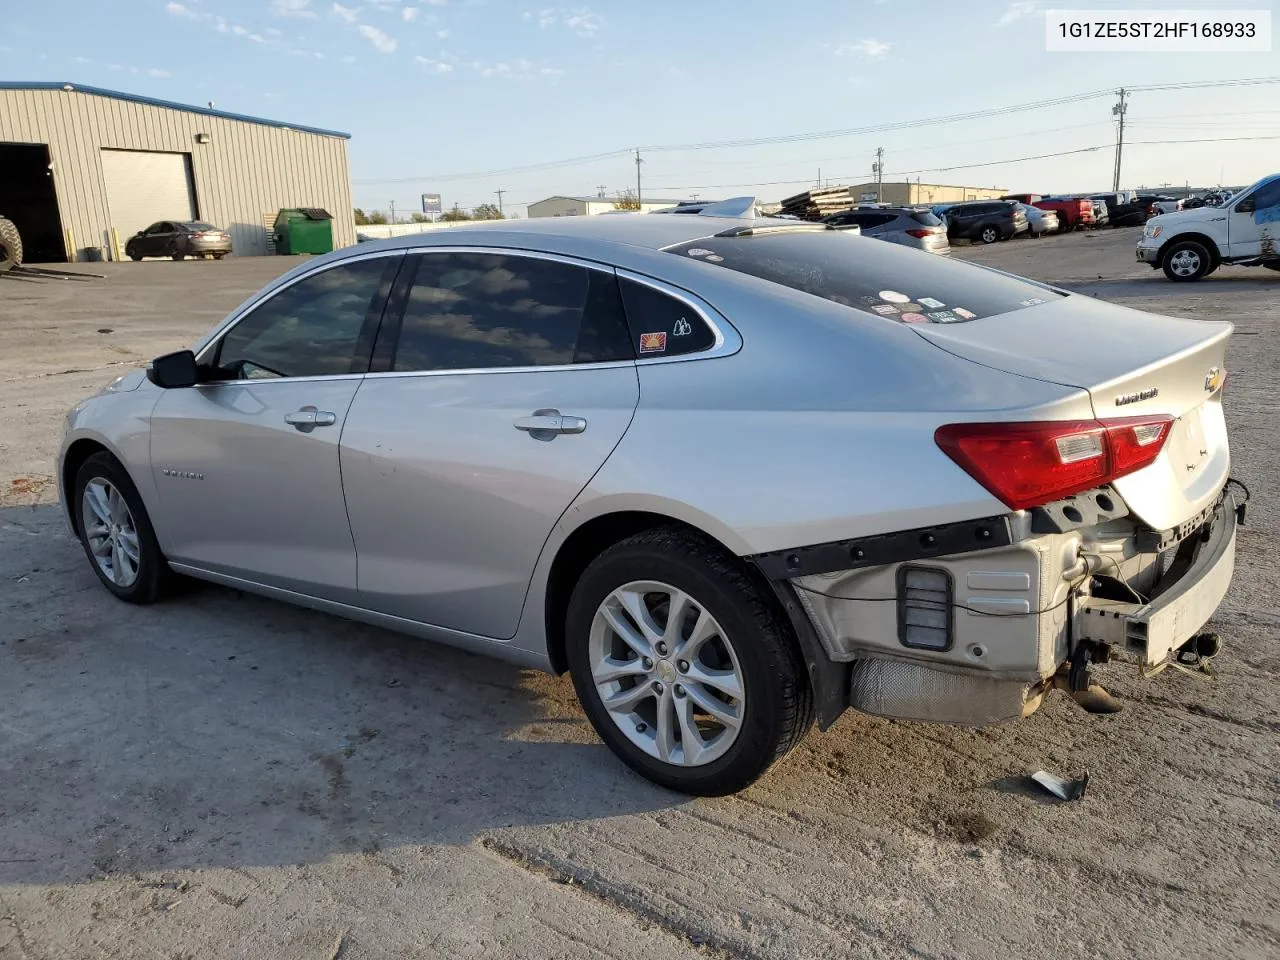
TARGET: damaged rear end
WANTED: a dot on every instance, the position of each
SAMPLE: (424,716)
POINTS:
(1118,541)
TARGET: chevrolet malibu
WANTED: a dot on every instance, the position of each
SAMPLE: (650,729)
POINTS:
(731,474)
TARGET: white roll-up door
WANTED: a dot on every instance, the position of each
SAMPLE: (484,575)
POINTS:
(145,186)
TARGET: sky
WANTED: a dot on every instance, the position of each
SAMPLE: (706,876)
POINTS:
(455,96)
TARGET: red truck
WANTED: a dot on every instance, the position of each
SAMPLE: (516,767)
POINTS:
(1072,212)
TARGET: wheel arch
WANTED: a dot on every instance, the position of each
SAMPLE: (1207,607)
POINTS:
(73,459)
(1208,242)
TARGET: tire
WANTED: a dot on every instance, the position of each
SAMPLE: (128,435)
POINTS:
(218,256)
(1186,261)
(989,234)
(175,253)
(10,245)
(1272,265)
(750,651)
(135,257)
(151,574)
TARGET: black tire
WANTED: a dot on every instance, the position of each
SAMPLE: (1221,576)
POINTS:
(1186,261)
(175,253)
(1272,265)
(989,234)
(10,245)
(218,256)
(778,703)
(154,577)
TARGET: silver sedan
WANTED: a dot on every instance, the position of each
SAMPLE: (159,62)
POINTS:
(732,474)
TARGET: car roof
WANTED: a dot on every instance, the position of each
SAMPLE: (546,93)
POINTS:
(630,229)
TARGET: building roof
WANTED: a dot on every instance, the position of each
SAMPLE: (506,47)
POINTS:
(667,203)
(167,104)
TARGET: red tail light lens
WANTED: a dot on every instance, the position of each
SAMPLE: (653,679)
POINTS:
(1028,464)
(921,234)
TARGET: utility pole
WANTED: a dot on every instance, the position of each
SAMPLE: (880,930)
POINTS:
(638,162)
(600,189)
(500,193)
(393,211)
(878,167)
(1118,111)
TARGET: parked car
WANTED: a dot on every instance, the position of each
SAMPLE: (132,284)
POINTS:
(542,440)
(1040,222)
(1073,212)
(1101,216)
(1190,244)
(1124,209)
(1159,203)
(985,220)
(179,239)
(909,226)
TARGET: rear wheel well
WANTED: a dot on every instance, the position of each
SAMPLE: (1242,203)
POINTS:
(1214,256)
(77,454)
(584,545)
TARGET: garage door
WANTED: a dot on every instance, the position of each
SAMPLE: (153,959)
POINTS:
(143,187)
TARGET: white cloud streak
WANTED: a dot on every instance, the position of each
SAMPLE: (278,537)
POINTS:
(867,49)
(382,42)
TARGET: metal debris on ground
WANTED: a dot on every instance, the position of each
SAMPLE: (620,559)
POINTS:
(1062,789)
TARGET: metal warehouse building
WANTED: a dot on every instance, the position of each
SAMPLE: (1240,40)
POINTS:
(83,169)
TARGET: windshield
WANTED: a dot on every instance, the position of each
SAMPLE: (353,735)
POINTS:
(872,276)
(199,225)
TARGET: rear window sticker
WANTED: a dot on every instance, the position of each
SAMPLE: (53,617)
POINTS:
(698,252)
(653,342)
(714,258)
(885,309)
(930,302)
(943,316)
(893,296)
(1032,302)
(962,312)
(914,318)
(682,328)
(913,307)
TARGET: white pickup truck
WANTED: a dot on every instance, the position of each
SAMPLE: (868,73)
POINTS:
(1191,244)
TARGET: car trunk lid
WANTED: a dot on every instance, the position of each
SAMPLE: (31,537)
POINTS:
(1133,364)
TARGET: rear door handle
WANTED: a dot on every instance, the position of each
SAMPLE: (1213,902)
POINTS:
(548,423)
(308,418)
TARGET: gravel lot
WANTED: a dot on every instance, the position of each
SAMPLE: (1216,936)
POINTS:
(225,776)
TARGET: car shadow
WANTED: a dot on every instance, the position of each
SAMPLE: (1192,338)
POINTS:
(222,729)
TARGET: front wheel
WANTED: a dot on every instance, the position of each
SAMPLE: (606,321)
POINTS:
(989,234)
(1272,265)
(116,532)
(682,665)
(1185,261)
(10,245)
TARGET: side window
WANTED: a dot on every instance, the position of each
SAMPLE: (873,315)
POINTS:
(486,310)
(1266,197)
(158,228)
(662,325)
(877,219)
(311,328)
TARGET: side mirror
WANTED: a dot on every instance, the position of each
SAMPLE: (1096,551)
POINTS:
(173,370)
(1245,206)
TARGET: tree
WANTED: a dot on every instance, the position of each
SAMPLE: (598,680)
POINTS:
(626,200)
(361,217)
(378,217)
(455,214)
(420,218)
(486,211)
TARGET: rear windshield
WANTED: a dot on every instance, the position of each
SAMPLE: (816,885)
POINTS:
(199,225)
(925,218)
(870,275)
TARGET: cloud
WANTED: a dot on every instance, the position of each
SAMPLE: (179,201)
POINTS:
(220,24)
(435,66)
(551,71)
(273,32)
(518,69)
(348,58)
(257,38)
(348,14)
(178,10)
(409,14)
(381,41)
(443,34)
(1017,10)
(583,22)
(154,72)
(239,31)
(292,8)
(81,60)
(869,49)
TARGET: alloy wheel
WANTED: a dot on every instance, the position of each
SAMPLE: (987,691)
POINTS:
(110,531)
(1185,263)
(666,673)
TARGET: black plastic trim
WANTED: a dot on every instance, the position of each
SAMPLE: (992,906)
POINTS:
(1158,541)
(828,679)
(919,544)
(1079,510)
(901,579)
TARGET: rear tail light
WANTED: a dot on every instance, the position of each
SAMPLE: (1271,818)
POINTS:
(921,234)
(1028,464)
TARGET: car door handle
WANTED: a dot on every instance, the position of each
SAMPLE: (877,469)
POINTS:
(308,418)
(547,424)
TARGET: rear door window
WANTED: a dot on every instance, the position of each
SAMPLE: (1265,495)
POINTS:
(925,218)
(663,325)
(881,279)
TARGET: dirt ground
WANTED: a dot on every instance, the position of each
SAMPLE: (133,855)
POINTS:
(226,776)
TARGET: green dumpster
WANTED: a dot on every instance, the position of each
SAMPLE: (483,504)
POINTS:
(303,230)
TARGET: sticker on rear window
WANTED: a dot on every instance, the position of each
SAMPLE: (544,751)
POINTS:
(682,328)
(962,312)
(930,302)
(653,342)
(914,318)
(943,316)
(893,296)
(714,258)
(1032,302)
(913,307)
(885,309)
(698,252)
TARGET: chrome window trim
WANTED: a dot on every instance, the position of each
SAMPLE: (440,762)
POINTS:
(225,327)
(262,381)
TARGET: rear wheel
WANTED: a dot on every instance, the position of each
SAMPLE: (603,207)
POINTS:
(989,234)
(175,253)
(218,256)
(1186,260)
(116,532)
(10,245)
(682,665)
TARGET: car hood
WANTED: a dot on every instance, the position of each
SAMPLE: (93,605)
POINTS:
(1179,217)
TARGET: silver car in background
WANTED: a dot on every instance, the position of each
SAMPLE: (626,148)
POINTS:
(731,474)
(914,227)
(1040,222)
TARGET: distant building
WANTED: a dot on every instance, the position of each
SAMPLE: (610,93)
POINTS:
(83,169)
(588,206)
(922,193)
